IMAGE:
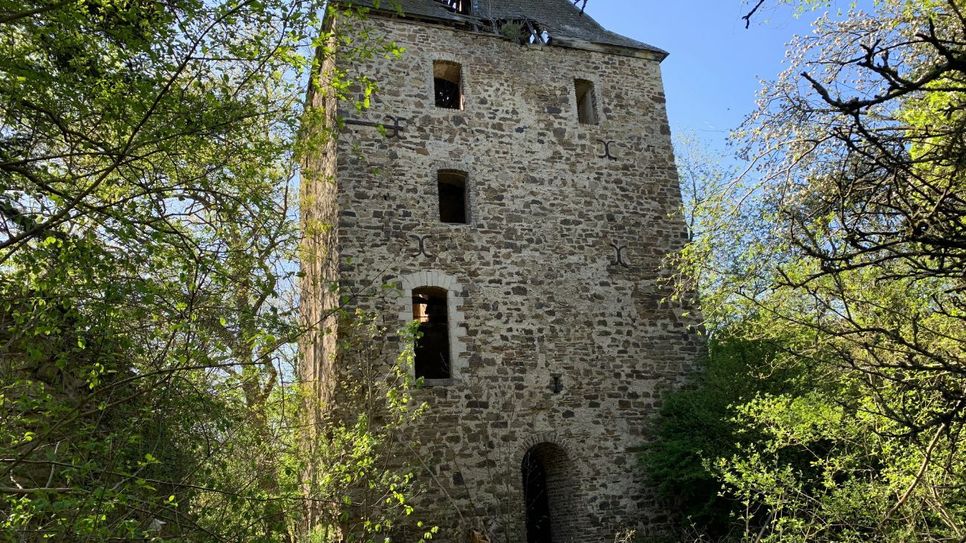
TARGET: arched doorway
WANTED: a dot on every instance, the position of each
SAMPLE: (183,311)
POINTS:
(548,494)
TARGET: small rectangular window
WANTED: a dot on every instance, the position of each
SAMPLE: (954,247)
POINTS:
(586,102)
(452,197)
(448,84)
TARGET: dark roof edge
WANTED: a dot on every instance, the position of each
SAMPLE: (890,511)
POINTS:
(660,53)
(610,49)
(472,23)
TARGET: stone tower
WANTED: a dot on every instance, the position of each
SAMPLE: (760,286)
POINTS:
(521,195)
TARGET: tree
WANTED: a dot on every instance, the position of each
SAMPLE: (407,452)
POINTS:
(145,228)
(147,241)
(865,193)
(844,248)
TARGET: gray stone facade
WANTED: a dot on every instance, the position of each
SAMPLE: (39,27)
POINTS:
(559,342)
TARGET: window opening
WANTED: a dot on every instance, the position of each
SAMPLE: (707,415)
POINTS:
(457,6)
(432,347)
(448,84)
(452,197)
(586,102)
(523,31)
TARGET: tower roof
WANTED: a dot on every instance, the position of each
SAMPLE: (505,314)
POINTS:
(566,24)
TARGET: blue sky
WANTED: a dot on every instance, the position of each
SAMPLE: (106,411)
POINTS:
(712,76)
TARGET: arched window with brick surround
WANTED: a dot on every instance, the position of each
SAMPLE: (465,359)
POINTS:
(434,299)
(432,346)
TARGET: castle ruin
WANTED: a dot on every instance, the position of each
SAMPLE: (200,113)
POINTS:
(514,178)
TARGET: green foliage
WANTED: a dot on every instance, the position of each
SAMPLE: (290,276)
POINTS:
(148,383)
(360,486)
(697,426)
(824,471)
(145,235)
(844,252)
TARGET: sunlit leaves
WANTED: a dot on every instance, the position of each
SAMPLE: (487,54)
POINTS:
(843,249)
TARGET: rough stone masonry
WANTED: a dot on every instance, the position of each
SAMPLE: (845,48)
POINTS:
(542,294)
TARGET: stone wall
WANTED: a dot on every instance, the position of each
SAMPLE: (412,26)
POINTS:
(555,278)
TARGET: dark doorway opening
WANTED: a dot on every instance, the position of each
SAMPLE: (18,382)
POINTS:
(536,499)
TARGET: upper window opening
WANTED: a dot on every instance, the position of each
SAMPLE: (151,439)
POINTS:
(586,102)
(457,6)
(448,84)
(523,31)
(432,347)
(452,197)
